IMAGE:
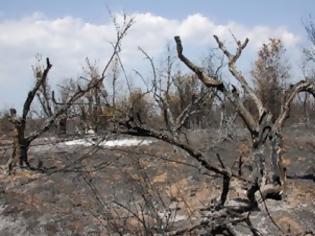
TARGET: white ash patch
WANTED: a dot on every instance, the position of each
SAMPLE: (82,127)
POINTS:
(125,142)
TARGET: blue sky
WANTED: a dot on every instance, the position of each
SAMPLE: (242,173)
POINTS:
(69,30)
(267,12)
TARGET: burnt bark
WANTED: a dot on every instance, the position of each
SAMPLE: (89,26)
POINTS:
(20,146)
(266,131)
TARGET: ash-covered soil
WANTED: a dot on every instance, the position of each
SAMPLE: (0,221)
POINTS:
(87,190)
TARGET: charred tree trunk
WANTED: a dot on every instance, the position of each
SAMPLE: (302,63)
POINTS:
(278,168)
(22,154)
(20,149)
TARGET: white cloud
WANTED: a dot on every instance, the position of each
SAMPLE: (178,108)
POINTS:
(68,40)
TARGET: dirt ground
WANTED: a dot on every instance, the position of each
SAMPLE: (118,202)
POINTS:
(98,191)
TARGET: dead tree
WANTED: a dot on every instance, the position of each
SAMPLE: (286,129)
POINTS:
(21,141)
(264,130)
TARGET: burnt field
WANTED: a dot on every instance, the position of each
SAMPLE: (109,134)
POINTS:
(158,119)
(146,186)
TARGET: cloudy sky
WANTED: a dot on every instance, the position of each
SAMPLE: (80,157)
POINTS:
(68,31)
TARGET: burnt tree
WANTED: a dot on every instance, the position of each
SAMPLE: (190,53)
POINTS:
(264,129)
(22,141)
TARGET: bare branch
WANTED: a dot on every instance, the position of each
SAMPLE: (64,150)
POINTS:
(208,81)
(233,95)
(32,93)
(238,75)
(120,35)
(302,86)
(246,116)
(142,130)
